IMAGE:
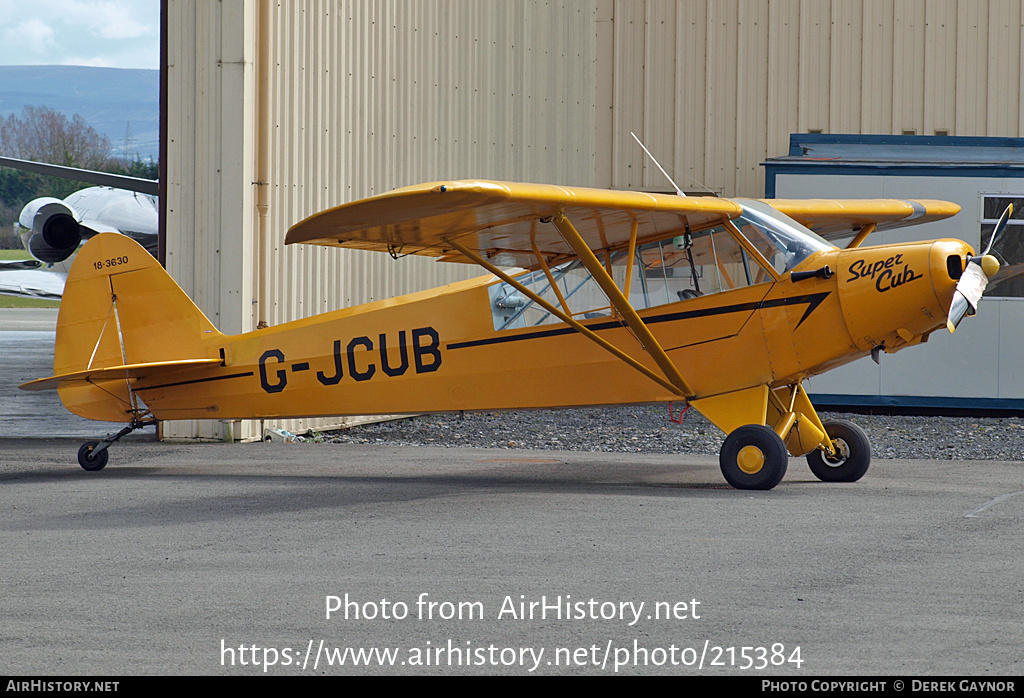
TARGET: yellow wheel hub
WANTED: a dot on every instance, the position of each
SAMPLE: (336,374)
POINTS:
(750,459)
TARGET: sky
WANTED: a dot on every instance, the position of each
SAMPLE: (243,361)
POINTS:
(105,33)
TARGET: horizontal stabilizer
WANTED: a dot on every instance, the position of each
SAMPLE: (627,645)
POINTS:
(126,372)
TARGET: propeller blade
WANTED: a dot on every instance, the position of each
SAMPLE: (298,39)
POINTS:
(957,310)
(1007,212)
(975,277)
(968,292)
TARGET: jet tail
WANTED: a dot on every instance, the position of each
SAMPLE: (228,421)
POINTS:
(122,317)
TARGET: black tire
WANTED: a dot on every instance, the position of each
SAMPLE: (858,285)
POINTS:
(855,453)
(90,461)
(753,457)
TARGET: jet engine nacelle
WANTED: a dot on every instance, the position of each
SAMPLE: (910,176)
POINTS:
(49,230)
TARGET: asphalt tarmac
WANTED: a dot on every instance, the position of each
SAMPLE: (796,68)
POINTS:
(26,353)
(225,558)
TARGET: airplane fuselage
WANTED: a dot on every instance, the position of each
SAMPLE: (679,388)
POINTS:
(438,350)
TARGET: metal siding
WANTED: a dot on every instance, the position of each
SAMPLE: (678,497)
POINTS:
(815,64)
(877,61)
(940,67)
(751,96)
(1004,92)
(691,87)
(628,98)
(602,60)
(783,73)
(720,82)
(846,58)
(209,200)
(659,91)
(908,67)
(972,69)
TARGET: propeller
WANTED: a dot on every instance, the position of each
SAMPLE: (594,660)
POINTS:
(975,277)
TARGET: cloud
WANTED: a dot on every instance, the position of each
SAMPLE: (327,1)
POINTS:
(36,34)
(115,33)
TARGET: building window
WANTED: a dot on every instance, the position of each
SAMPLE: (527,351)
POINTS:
(1009,248)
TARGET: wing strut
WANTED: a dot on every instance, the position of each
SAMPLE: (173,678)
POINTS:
(582,329)
(620,303)
(861,235)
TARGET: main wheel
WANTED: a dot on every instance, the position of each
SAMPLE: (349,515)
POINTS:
(89,460)
(853,453)
(753,457)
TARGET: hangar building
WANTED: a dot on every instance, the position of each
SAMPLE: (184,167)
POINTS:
(276,110)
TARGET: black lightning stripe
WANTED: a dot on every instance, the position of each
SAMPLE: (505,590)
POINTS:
(812,301)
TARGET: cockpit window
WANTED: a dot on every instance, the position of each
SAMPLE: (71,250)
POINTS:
(675,269)
(667,271)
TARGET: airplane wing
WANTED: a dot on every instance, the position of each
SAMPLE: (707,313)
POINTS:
(838,218)
(504,221)
(32,283)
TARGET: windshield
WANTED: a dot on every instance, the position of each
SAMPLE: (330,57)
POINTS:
(784,242)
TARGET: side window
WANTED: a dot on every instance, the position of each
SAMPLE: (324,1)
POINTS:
(1009,248)
(689,266)
(573,285)
(667,271)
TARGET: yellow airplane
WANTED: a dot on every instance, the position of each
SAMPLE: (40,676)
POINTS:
(621,297)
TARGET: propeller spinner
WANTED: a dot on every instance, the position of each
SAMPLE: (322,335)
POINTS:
(975,277)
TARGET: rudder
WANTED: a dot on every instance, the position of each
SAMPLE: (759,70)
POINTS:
(121,307)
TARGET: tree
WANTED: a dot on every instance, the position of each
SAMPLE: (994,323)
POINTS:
(45,135)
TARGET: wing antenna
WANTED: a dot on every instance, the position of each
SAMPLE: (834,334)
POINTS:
(658,164)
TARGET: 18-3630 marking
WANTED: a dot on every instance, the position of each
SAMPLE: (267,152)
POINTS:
(108,263)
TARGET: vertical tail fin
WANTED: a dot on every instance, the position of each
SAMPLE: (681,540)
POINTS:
(120,308)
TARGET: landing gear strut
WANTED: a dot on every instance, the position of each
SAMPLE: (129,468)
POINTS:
(92,456)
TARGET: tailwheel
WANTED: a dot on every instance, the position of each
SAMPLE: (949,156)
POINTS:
(853,453)
(753,457)
(90,458)
(93,454)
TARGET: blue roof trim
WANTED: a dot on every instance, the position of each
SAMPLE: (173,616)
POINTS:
(888,140)
(980,404)
(773,169)
(896,156)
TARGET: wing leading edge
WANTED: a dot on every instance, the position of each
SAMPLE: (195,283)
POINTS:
(838,218)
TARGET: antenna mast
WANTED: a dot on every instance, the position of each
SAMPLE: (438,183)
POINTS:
(658,164)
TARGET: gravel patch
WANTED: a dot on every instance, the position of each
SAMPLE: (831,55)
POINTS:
(647,429)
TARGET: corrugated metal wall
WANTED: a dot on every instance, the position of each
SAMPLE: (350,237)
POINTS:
(371,95)
(210,204)
(715,86)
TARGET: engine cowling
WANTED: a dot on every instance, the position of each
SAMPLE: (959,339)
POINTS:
(49,230)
